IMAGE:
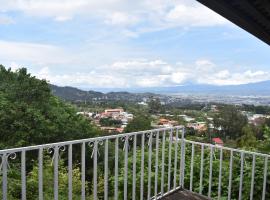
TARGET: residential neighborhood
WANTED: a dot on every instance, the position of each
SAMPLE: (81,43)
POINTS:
(110,120)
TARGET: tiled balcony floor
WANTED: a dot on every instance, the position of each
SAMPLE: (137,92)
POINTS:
(184,195)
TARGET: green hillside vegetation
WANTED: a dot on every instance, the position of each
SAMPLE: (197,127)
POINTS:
(30,114)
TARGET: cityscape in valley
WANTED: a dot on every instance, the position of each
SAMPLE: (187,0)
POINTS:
(134,100)
(112,112)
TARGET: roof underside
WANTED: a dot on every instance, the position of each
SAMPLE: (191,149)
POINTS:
(251,15)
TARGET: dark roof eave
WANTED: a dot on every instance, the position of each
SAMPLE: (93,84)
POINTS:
(253,17)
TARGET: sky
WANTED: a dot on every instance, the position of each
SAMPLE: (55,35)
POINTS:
(125,44)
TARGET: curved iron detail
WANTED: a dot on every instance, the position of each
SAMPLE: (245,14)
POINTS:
(125,140)
(51,150)
(94,145)
(149,136)
(6,157)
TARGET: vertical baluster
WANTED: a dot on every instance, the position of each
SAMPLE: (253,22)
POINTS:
(56,157)
(201,171)
(265,177)
(142,166)
(149,164)
(23,176)
(83,170)
(162,161)
(40,174)
(70,172)
(175,159)
(106,171)
(241,176)
(220,173)
(191,168)
(126,167)
(169,161)
(182,163)
(95,170)
(116,169)
(156,164)
(210,172)
(4,175)
(252,176)
(230,176)
(134,167)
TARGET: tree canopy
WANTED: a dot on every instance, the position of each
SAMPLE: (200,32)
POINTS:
(139,123)
(30,114)
(231,121)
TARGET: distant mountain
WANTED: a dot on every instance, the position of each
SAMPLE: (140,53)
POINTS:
(259,88)
(74,94)
(139,94)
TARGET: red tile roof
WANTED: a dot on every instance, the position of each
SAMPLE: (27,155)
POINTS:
(217,140)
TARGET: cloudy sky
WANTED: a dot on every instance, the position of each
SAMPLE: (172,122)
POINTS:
(126,43)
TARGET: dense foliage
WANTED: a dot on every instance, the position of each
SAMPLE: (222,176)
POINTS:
(30,114)
(231,122)
(110,122)
(139,123)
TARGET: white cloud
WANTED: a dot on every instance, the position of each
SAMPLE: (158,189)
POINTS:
(157,14)
(82,79)
(121,19)
(225,77)
(150,73)
(194,15)
(204,65)
(32,52)
(179,77)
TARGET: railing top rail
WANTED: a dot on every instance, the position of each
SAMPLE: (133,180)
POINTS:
(35,147)
(229,149)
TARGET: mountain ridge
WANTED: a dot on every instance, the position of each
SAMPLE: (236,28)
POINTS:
(137,94)
(258,88)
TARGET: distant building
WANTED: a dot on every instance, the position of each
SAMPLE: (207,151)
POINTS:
(142,103)
(198,126)
(256,119)
(167,123)
(214,108)
(187,118)
(111,112)
(86,114)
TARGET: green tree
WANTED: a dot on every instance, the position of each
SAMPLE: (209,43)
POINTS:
(110,122)
(139,123)
(248,139)
(30,114)
(265,143)
(154,105)
(231,121)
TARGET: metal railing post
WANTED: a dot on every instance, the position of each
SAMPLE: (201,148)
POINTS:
(182,163)
(40,174)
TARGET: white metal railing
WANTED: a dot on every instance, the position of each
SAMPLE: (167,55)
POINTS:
(140,165)
(246,158)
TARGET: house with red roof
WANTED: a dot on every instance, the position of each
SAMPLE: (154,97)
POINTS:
(217,141)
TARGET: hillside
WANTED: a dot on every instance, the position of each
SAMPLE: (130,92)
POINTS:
(77,95)
(259,89)
(30,114)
